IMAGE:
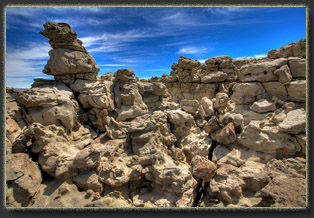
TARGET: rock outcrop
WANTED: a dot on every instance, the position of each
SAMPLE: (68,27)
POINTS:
(227,133)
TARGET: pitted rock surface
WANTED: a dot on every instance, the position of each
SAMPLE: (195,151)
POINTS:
(227,133)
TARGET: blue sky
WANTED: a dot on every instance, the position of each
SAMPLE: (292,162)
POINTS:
(148,39)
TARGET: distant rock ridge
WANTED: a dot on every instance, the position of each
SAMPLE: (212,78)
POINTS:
(227,133)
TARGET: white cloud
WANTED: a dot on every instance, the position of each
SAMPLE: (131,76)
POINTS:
(260,56)
(192,50)
(254,56)
(24,65)
(202,61)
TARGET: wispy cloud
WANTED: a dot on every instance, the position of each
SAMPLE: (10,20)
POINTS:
(192,50)
(254,56)
(202,61)
(22,65)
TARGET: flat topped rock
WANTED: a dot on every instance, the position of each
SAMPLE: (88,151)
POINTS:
(295,122)
(263,106)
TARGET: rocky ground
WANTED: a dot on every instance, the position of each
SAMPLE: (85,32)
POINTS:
(228,133)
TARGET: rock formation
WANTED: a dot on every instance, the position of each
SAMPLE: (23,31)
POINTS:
(227,133)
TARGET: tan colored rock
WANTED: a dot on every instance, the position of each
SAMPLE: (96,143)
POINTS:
(65,61)
(196,144)
(182,122)
(246,93)
(302,141)
(12,130)
(298,67)
(284,74)
(226,135)
(260,72)
(61,35)
(217,76)
(263,106)
(221,100)
(295,122)
(107,76)
(57,150)
(297,91)
(113,171)
(203,168)
(62,194)
(50,105)
(268,139)
(287,183)
(94,94)
(212,125)
(23,177)
(189,106)
(88,180)
(207,106)
(276,89)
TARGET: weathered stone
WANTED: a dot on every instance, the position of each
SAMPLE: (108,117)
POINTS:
(263,105)
(268,139)
(88,180)
(260,72)
(286,183)
(217,76)
(203,168)
(297,67)
(295,122)
(207,106)
(189,106)
(94,94)
(246,93)
(221,100)
(297,90)
(226,135)
(284,74)
(302,141)
(23,177)
(50,105)
(276,89)
(212,125)
(66,61)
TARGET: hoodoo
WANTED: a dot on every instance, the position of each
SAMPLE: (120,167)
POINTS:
(227,133)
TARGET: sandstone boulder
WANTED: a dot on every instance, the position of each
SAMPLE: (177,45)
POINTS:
(218,76)
(23,177)
(263,105)
(298,67)
(284,74)
(48,105)
(295,122)
(65,61)
(297,91)
(276,89)
(286,178)
(203,168)
(246,93)
(268,139)
(226,135)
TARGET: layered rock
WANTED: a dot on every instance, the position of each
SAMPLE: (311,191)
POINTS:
(228,133)
(68,55)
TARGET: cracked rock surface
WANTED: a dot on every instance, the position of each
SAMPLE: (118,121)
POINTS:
(227,133)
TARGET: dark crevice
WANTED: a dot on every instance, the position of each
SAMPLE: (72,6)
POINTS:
(203,186)
(211,149)
(199,191)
